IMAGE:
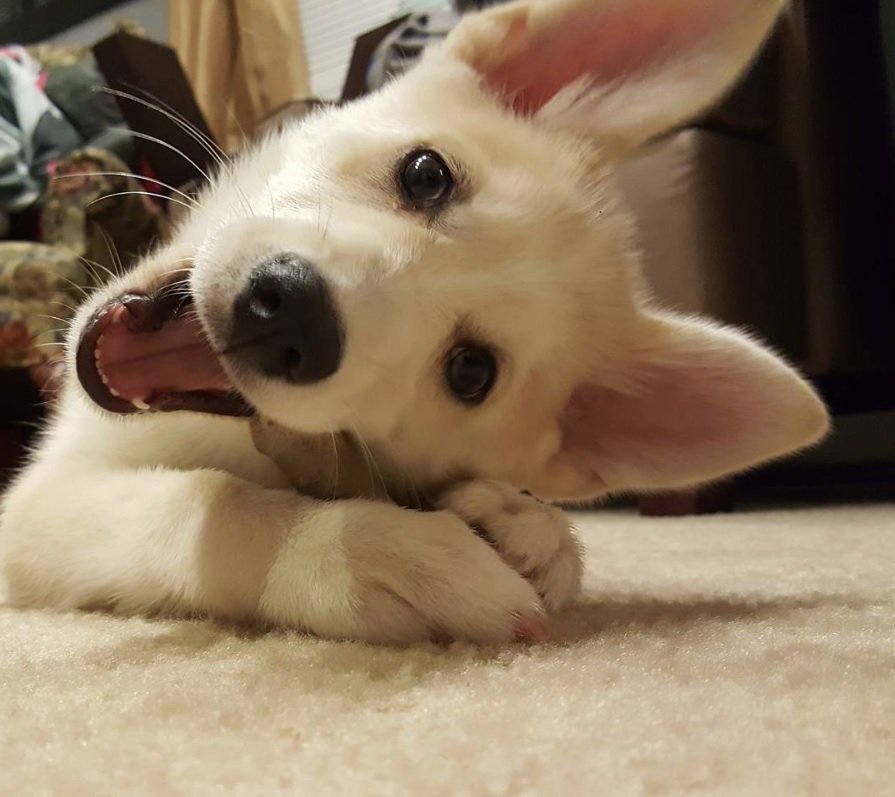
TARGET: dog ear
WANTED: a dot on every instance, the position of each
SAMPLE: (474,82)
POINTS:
(623,70)
(691,403)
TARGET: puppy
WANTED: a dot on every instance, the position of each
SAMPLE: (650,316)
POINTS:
(441,278)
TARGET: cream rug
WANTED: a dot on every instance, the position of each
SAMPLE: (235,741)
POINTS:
(734,655)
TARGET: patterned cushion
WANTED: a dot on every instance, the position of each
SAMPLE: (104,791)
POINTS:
(40,287)
(87,238)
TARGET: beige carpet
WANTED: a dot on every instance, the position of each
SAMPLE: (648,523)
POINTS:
(744,654)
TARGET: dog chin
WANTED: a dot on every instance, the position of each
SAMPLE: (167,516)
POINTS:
(287,407)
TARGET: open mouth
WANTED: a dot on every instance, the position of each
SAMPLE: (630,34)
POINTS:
(149,352)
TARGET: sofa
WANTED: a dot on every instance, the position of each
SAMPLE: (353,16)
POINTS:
(74,215)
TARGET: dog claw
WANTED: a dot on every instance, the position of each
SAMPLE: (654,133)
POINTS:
(531,629)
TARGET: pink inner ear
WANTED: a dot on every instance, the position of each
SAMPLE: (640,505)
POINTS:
(687,417)
(606,45)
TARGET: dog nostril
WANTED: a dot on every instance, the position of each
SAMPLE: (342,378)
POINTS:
(285,324)
(266,300)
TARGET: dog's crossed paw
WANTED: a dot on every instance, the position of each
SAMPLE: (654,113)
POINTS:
(533,537)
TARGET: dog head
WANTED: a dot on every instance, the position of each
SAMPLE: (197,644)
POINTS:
(444,270)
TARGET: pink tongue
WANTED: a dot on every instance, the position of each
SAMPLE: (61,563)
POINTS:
(174,359)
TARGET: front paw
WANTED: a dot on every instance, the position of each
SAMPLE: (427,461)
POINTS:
(379,573)
(535,538)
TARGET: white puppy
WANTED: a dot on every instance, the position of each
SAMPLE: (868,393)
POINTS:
(442,274)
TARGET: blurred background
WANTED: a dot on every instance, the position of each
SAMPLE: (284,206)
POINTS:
(776,211)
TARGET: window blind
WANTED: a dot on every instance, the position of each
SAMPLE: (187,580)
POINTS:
(331,26)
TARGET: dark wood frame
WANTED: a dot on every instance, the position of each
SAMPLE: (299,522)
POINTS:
(29,21)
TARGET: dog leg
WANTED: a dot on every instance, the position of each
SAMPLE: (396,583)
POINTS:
(203,542)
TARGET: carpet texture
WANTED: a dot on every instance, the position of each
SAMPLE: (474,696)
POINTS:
(734,655)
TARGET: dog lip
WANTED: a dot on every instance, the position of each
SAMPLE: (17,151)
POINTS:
(205,401)
(141,313)
(87,368)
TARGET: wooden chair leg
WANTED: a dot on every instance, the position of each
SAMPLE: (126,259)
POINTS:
(700,501)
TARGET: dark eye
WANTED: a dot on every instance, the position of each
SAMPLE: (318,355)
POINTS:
(425,179)
(470,372)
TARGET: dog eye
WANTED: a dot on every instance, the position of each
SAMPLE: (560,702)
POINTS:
(425,179)
(470,372)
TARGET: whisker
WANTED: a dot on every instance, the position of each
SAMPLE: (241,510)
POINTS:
(245,200)
(329,217)
(113,253)
(235,118)
(214,148)
(62,304)
(332,435)
(53,318)
(88,267)
(319,206)
(97,264)
(182,270)
(71,282)
(210,146)
(140,193)
(161,143)
(365,453)
(171,188)
(173,286)
(418,494)
(369,458)
(27,424)
(182,289)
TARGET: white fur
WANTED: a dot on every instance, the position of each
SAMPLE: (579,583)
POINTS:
(366,570)
(534,537)
(180,513)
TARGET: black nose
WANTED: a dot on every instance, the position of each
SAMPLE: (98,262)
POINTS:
(285,324)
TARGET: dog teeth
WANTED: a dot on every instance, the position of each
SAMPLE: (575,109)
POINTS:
(140,404)
(102,374)
(105,379)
